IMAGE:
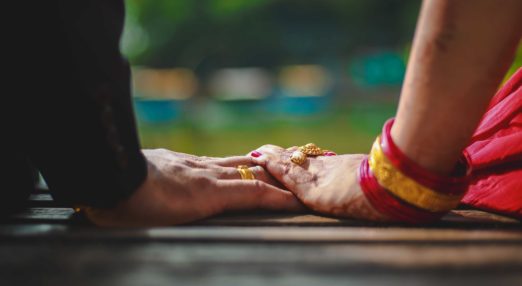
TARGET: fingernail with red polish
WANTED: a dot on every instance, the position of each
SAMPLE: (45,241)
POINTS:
(255,154)
(329,153)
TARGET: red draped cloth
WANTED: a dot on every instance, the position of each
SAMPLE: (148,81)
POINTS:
(495,154)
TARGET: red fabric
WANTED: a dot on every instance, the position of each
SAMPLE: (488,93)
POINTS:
(442,184)
(495,154)
(389,205)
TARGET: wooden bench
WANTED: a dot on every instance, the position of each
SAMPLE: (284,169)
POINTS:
(47,245)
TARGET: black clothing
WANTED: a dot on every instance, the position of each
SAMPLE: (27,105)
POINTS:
(71,115)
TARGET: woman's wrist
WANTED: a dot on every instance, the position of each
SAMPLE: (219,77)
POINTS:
(402,189)
(456,64)
(425,151)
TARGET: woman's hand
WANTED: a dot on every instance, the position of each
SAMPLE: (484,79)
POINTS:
(181,188)
(325,184)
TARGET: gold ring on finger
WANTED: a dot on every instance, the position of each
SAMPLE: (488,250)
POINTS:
(245,172)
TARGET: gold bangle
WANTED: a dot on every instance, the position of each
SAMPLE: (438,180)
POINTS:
(405,187)
(245,172)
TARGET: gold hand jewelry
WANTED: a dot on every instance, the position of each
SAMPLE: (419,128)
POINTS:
(299,157)
(245,172)
(311,149)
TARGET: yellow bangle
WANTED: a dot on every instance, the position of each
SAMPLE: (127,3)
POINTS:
(405,187)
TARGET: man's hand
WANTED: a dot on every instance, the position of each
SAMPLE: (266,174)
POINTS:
(326,184)
(181,188)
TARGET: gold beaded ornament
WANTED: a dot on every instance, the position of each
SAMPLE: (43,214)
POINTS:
(299,156)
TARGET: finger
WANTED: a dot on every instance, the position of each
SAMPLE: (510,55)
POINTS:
(255,194)
(270,147)
(226,173)
(277,158)
(233,161)
(266,152)
(194,157)
(291,175)
(256,152)
(263,175)
(257,155)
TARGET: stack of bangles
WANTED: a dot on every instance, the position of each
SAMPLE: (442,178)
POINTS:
(404,191)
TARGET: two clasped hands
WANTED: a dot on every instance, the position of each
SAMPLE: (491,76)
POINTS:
(182,188)
(455,67)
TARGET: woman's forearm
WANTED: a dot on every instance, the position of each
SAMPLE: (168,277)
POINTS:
(461,52)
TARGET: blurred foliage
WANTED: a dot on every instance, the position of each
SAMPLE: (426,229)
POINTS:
(208,34)
(352,38)
(350,129)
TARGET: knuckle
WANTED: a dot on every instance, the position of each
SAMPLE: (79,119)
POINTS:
(203,181)
(259,186)
(176,168)
(224,173)
(259,173)
(261,192)
(190,163)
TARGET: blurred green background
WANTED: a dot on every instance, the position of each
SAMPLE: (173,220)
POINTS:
(221,77)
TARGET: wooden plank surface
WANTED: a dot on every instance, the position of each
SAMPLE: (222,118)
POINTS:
(456,218)
(46,245)
(362,235)
(101,262)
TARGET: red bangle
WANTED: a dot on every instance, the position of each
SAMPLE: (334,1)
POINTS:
(443,184)
(389,205)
